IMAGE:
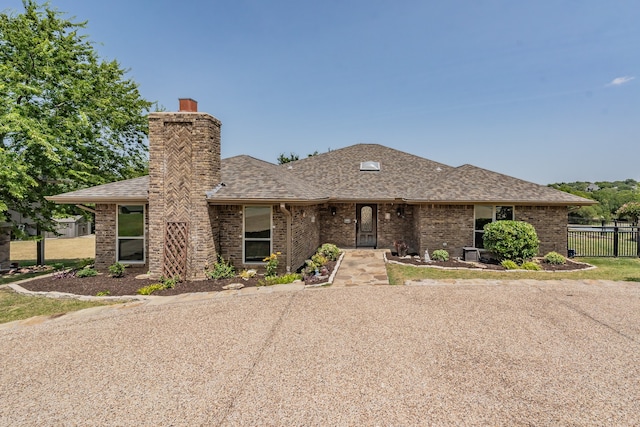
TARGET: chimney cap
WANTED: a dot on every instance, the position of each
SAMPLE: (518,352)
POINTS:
(188,105)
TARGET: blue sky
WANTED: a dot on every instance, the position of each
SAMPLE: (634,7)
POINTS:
(546,91)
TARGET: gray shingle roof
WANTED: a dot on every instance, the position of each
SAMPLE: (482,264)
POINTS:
(128,190)
(249,179)
(336,176)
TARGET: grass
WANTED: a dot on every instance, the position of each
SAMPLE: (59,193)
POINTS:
(624,269)
(74,248)
(14,306)
(596,243)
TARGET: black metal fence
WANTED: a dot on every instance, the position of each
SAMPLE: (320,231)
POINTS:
(603,241)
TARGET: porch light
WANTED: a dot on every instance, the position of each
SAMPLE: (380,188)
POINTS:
(400,212)
(333,210)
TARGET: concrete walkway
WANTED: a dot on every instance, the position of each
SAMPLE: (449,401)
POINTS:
(362,267)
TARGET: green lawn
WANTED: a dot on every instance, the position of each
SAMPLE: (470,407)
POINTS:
(625,269)
(14,306)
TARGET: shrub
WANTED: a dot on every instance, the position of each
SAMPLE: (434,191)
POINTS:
(116,270)
(86,272)
(509,265)
(330,251)
(57,266)
(319,260)
(221,270)
(529,265)
(440,255)
(149,289)
(554,258)
(272,264)
(279,280)
(169,282)
(514,240)
(103,293)
(248,274)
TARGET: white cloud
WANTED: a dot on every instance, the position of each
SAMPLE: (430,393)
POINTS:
(620,81)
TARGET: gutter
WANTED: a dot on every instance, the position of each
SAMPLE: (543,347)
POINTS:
(287,213)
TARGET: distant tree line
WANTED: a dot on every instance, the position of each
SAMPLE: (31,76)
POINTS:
(610,196)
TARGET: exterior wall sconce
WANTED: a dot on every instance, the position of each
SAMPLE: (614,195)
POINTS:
(400,212)
(333,210)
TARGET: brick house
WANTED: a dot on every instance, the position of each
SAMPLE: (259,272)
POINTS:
(193,206)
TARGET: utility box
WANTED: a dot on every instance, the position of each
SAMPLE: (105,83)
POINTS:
(471,254)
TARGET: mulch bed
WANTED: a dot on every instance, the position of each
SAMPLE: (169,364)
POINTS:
(455,263)
(129,285)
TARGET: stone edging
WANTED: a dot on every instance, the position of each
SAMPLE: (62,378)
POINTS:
(331,277)
(591,267)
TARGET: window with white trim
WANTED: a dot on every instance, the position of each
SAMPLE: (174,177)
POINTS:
(486,214)
(257,234)
(130,234)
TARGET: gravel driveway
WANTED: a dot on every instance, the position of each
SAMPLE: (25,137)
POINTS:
(469,353)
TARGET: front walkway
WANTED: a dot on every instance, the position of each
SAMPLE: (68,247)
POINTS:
(361,267)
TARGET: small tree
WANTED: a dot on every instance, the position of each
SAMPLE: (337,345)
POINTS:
(511,240)
(629,210)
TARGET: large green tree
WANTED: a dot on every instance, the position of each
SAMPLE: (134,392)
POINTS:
(68,119)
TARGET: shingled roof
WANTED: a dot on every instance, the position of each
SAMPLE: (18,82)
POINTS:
(246,179)
(336,176)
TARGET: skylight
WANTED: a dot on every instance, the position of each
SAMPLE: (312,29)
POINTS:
(370,166)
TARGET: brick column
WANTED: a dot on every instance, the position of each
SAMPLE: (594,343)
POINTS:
(184,163)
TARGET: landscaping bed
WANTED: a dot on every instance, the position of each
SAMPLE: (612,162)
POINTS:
(129,284)
(492,266)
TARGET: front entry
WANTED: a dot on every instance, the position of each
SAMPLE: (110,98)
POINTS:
(366,221)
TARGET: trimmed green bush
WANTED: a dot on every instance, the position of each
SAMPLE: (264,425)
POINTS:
(330,251)
(513,240)
(116,270)
(440,255)
(509,265)
(221,270)
(86,272)
(554,258)
(529,265)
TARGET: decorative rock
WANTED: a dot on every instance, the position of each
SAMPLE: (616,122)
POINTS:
(234,286)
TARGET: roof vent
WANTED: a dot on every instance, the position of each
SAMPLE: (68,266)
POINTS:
(370,166)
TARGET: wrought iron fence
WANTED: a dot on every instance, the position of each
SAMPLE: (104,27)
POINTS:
(603,241)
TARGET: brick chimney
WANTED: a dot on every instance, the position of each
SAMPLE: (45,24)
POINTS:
(188,105)
(184,163)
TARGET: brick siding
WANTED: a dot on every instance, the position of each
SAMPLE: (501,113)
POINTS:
(448,227)
(184,163)
(550,223)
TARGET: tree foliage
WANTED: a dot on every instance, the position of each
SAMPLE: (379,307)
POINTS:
(630,210)
(68,119)
(511,240)
(292,157)
(610,195)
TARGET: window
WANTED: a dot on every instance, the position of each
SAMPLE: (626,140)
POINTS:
(130,232)
(484,215)
(257,233)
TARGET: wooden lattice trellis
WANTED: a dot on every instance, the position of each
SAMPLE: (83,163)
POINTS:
(175,249)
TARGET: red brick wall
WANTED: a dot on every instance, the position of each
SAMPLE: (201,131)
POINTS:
(397,227)
(184,163)
(333,228)
(550,223)
(448,227)
(305,233)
